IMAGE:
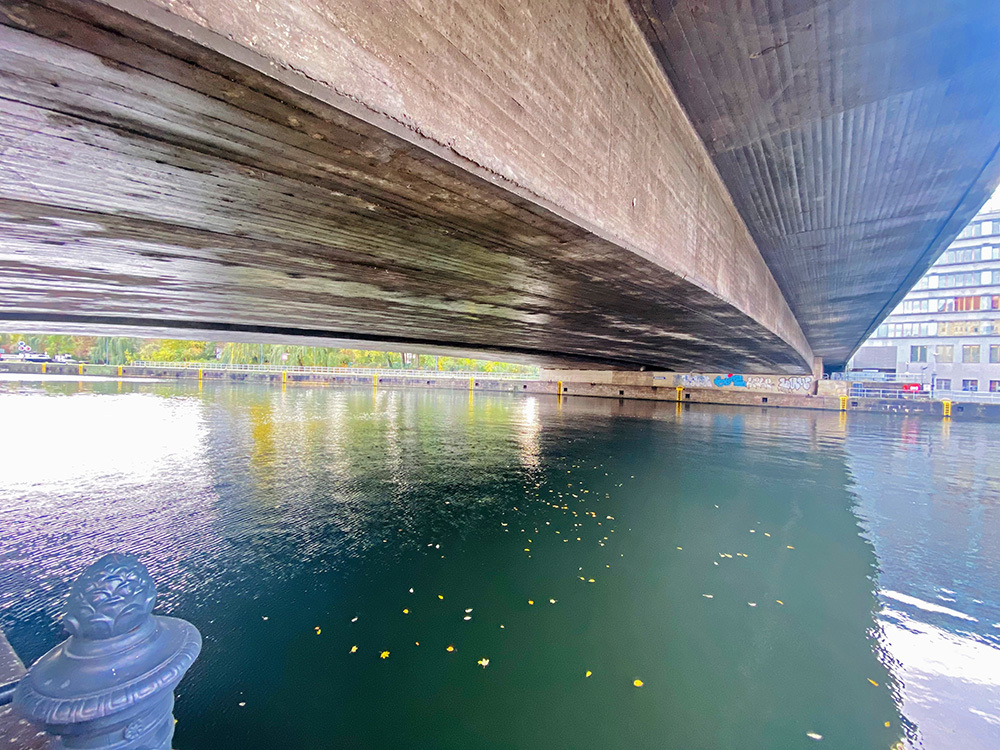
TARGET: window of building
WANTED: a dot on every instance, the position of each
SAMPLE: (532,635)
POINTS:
(995,278)
(918,353)
(944,384)
(970,353)
(961,328)
(911,330)
(995,353)
(916,306)
(965,304)
(970,385)
(924,282)
(971,278)
(944,353)
(964,255)
(995,386)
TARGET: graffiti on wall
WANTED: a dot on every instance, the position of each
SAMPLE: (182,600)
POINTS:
(795,384)
(695,381)
(800,384)
(723,380)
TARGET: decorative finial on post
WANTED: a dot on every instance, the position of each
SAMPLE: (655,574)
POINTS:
(111,684)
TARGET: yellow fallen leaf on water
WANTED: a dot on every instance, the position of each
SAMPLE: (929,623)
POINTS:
(440,596)
(354,649)
(467,617)
(590,580)
(588,673)
(468,610)
(384,655)
(406,611)
(484,662)
(318,631)
(872,682)
(677,548)
(527,549)
(531,601)
(354,620)
(450,649)
(788,546)
(637,683)
(766,534)
(779,601)
(417,642)
(888,724)
(552,601)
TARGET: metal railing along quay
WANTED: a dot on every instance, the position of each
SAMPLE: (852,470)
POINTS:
(342,371)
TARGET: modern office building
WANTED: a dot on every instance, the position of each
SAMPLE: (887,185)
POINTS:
(945,334)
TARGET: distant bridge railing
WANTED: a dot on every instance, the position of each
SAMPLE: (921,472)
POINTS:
(344,371)
(981,397)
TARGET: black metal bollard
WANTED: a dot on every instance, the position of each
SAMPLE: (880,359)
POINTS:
(111,683)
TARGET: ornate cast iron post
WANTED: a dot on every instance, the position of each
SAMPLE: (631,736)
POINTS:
(111,683)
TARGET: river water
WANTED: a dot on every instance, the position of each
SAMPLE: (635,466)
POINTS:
(770,577)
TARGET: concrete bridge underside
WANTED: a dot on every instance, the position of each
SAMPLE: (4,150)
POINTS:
(497,177)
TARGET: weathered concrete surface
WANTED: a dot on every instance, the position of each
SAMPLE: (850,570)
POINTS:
(857,138)
(512,177)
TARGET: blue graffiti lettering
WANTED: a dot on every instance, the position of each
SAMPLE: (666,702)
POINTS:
(735,380)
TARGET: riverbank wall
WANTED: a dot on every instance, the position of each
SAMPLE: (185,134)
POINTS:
(726,389)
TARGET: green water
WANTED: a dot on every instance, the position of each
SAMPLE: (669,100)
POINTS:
(726,558)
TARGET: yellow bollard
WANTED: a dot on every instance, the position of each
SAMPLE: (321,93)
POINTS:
(81,368)
(472,383)
(119,370)
(201,374)
(284,376)
(559,388)
(946,408)
(43,368)
(680,390)
(843,403)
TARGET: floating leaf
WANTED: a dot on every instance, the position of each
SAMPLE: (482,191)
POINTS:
(354,649)
(814,736)
(384,655)
(450,649)
(318,631)
(440,596)
(406,611)
(872,682)
(484,662)
(637,683)
(709,596)
(779,601)
(588,673)
(354,620)
(531,601)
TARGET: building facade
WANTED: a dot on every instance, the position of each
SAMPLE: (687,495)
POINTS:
(945,334)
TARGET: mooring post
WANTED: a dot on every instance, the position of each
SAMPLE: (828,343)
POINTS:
(111,683)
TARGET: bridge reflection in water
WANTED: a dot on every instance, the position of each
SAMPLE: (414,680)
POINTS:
(729,559)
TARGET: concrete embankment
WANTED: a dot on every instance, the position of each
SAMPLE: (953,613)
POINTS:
(734,390)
